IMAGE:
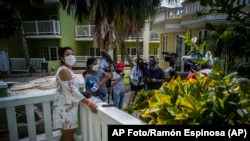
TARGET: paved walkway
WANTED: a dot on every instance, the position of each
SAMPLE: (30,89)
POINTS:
(39,84)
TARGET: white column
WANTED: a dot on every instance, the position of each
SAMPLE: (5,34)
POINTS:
(146,35)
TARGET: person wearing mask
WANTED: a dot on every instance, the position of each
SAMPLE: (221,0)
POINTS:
(136,79)
(98,76)
(68,96)
(190,60)
(118,86)
(107,64)
(206,68)
(106,61)
(170,73)
(155,75)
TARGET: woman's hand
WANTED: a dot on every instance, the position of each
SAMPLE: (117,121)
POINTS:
(108,75)
(92,107)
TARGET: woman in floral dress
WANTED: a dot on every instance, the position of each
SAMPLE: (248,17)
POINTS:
(68,96)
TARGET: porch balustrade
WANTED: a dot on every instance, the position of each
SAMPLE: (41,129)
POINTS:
(48,27)
(81,60)
(93,127)
(19,64)
(180,8)
(87,32)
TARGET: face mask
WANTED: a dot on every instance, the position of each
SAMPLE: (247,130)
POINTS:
(70,60)
(95,67)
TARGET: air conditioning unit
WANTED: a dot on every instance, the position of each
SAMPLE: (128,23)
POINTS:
(4,62)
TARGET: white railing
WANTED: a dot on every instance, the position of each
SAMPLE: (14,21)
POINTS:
(19,64)
(171,3)
(49,27)
(154,36)
(174,10)
(192,8)
(87,31)
(167,14)
(94,127)
(84,31)
(81,60)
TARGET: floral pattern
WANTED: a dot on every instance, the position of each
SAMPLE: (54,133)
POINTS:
(65,105)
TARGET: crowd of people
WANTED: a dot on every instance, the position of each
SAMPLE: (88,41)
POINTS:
(103,80)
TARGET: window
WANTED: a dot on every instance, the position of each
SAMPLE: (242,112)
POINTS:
(131,50)
(95,51)
(180,49)
(201,37)
(164,43)
(155,51)
(50,53)
(178,45)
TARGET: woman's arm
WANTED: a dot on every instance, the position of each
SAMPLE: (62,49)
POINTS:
(105,79)
(66,77)
(116,80)
(67,82)
(131,75)
(91,105)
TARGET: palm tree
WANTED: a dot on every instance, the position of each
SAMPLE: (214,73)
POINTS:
(114,20)
(14,19)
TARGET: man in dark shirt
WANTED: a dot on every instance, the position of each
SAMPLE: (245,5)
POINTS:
(155,75)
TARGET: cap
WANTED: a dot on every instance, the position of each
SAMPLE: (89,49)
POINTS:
(120,66)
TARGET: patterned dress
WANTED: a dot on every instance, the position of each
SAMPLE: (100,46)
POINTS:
(65,105)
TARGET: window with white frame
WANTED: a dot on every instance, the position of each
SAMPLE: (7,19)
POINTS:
(202,35)
(164,43)
(95,51)
(50,53)
(155,51)
(178,45)
(131,50)
(180,50)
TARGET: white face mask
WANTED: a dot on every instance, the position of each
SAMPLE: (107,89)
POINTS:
(70,60)
(95,67)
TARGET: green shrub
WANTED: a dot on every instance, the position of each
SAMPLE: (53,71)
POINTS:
(212,99)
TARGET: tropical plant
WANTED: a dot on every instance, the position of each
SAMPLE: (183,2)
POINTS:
(114,20)
(11,23)
(212,99)
(191,42)
(229,45)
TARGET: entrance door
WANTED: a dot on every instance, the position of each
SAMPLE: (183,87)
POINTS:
(181,50)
